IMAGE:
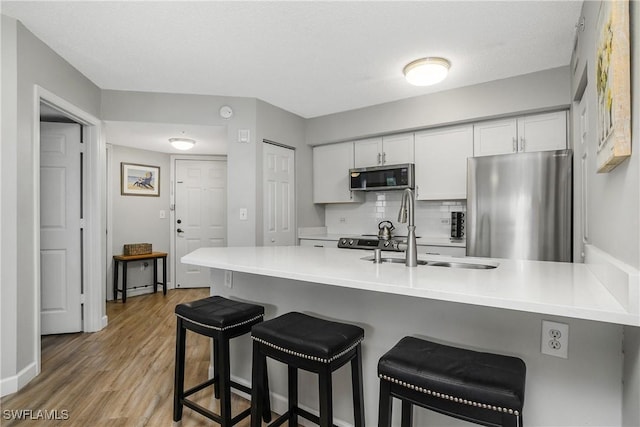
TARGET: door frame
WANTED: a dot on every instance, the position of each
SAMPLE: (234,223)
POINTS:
(294,200)
(94,306)
(172,204)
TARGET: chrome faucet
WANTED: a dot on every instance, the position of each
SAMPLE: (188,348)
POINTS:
(407,208)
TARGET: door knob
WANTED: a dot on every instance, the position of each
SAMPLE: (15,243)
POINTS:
(179,221)
(179,230)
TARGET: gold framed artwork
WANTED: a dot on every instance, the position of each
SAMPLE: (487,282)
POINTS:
(613,84)
(139,180)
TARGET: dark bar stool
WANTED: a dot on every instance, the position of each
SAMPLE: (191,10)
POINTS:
(315,345)
(482,388)
(220,319)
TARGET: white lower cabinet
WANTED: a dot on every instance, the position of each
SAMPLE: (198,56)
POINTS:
(454,251)
(441,162)
(331,164)
(319,243)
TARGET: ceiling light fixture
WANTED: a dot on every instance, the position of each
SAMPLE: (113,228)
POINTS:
(182,143)
(426,71)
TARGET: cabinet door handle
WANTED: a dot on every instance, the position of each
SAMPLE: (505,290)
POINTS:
(379,158)
(515,144)
(522,143)
(384,158)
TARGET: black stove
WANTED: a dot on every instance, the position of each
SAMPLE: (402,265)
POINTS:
(370,242)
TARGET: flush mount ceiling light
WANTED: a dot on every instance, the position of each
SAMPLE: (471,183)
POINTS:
(426,71)
(182,143)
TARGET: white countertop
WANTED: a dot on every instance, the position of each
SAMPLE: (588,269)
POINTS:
(562,289)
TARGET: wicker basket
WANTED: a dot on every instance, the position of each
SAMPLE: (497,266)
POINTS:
(137,249)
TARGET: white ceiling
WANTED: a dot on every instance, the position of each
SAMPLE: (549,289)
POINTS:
(155,136)
(309,57)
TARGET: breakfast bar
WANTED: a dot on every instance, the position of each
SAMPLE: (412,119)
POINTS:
(498,310)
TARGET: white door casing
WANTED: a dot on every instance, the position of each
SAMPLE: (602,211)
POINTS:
(279,195)
(60,228)
(200,214)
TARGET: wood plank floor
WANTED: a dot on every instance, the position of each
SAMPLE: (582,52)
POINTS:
(122,375)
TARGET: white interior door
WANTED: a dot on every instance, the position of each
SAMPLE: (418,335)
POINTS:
(60,228)
(201,215)
(279,195)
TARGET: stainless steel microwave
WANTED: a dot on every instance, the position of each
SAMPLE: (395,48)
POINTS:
(382,178)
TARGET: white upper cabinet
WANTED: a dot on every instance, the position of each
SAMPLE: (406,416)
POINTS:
(397,149)
(388,150)
(539,132)
(368,152)
(495,137)
(542,132)
(331,164)
(441,162)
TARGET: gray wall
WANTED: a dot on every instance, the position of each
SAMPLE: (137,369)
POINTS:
(614,195)
(8,200)
(203,110)
(277,125)
(614,198)
(136,219)
(533,92)
(34,63)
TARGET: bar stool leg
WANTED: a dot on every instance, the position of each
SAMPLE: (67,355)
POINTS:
(293,395)
(216,369)
(258,371)
(407,414)
(224,380)
(326,401)
(358,390)
(178,390)
(384,405)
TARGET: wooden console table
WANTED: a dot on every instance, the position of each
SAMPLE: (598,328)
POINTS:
(125,259)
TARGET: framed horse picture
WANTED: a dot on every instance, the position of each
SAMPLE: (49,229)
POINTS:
(139,180)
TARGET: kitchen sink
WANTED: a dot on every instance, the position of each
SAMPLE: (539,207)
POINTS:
(450,264)
(461,265)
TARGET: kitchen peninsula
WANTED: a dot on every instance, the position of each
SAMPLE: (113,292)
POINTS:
(498,310)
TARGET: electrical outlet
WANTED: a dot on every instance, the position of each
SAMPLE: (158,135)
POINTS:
(555,339)
(228,278)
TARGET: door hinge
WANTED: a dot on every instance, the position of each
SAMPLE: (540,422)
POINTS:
(82,299)
(83,223)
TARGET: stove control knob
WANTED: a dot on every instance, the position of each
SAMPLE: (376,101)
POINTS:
(386,244)
(343,241)
(351,242)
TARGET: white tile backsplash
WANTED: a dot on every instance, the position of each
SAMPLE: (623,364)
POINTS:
(433,218)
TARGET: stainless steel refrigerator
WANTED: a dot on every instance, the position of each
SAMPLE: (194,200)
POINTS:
(519,206)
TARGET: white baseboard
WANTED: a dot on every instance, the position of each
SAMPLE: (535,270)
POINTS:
(622,280)
(14,383)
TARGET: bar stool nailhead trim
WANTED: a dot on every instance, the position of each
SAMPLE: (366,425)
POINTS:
(223,328)
(306,356)
(447,397)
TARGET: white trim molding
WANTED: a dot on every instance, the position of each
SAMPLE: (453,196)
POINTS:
(12,384)
(94,308)
(622,280)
